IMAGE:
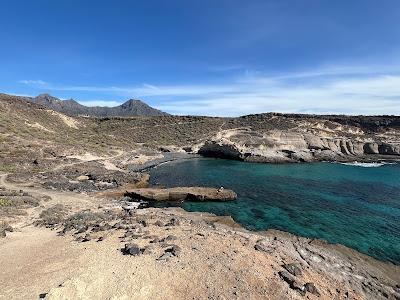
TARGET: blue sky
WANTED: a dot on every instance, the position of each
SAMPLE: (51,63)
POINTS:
(205,57)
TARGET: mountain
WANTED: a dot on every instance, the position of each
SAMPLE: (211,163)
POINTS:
(71,107)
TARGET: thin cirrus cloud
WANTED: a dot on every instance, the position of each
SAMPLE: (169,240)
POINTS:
(335,90)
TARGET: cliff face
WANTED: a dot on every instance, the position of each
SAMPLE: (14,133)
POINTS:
(307,138)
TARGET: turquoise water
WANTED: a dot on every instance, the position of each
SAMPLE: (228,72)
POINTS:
(351,205)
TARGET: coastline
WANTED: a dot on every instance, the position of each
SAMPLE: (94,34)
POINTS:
(334,269)
(248,223)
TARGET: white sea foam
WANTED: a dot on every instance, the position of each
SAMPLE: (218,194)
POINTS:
(367,165)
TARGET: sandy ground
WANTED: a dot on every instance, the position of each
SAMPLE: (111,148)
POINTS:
(34,259)
(215,261)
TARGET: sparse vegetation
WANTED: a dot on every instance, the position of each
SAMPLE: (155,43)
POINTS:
(4,202)
(52,216)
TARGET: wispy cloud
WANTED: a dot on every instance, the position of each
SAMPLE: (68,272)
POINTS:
(348,90)
(33,82)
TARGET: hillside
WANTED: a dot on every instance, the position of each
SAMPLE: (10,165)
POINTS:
(269,137)
(73,108)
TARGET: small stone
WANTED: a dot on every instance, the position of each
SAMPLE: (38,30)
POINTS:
(158,223)
(143,223)
(82,178)
(87,238)
(42,295)
(155,240)
(82,229)
(175,250)
(165,256)
(173,222)
(310,287)
(132,249)
(293,269)
(169,238)
(117,225)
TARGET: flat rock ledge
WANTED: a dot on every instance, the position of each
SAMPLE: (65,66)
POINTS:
(182,194)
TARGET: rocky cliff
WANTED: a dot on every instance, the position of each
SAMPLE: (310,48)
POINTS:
(302,138)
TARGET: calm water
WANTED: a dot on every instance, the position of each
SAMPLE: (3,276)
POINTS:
(351,205)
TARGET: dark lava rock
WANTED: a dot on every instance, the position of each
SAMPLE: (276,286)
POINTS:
(171,251)
(143,223)
(132,249)
(155,240)
(293,269)
(310,287)
(131,234)
(169,238)
(174,250)
(293,283)
(84,239)
(173,222)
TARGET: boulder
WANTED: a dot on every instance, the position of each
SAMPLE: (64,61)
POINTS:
(220,150)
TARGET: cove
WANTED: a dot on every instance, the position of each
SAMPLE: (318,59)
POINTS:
(352,205)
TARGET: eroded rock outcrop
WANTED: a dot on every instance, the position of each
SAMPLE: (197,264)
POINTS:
(283,146)
(180,194)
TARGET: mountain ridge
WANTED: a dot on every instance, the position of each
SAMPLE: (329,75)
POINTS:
(130,108)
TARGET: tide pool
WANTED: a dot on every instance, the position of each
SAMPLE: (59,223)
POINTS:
(353,205)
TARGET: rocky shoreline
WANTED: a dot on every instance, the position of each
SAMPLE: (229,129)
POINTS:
(176,244)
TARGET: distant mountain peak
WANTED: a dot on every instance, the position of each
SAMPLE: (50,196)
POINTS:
(132,107)
(47,98)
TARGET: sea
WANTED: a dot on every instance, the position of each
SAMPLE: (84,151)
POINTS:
(353,204)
